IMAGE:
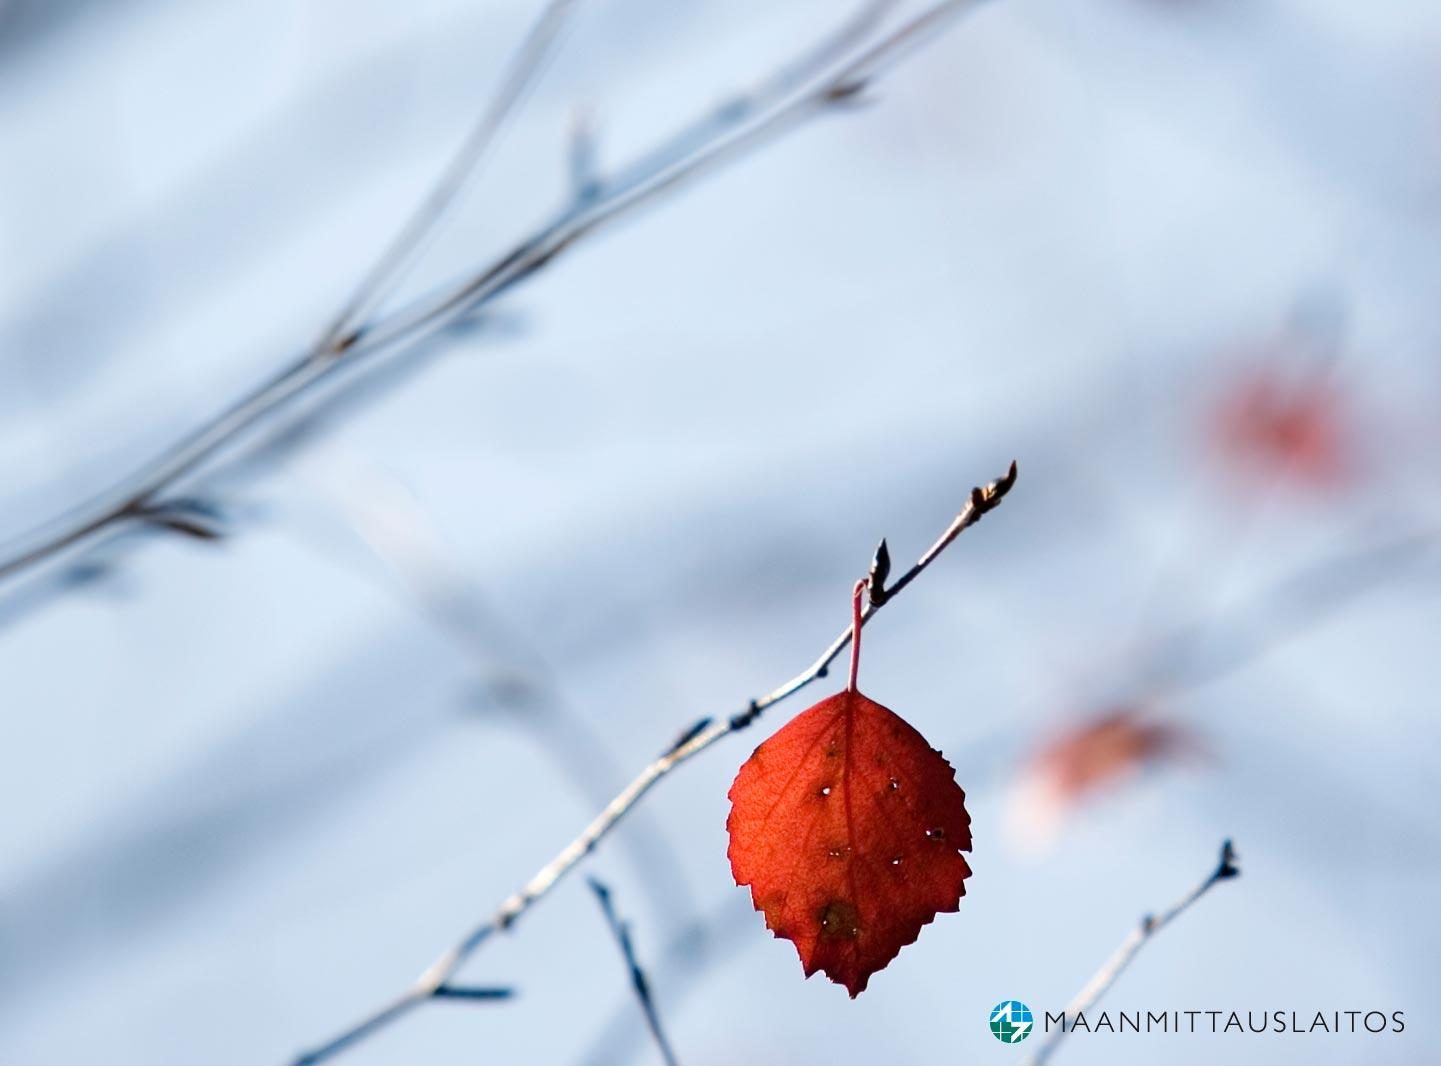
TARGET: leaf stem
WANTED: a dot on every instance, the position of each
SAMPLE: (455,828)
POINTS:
(856,632)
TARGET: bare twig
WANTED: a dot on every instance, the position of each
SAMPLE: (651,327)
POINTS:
(1151,924)
(525,67)
(821,78)
(469,992)
(693,742)
(688,954)
(1297,602)
(621,931)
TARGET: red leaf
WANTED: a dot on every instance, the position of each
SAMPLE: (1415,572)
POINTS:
(848,827)
(1295,428)
(1096,753)
(1087,759)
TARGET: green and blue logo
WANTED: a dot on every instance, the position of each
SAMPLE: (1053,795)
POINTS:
(1011,1021)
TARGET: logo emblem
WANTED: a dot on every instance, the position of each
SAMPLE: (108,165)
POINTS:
(1011,1021)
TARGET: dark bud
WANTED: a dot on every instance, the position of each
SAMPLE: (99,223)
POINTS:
(745,718)
(189,518)
(346,341)
(687,736)
(985,499)
(880,573)
(1228,867)
(848,92)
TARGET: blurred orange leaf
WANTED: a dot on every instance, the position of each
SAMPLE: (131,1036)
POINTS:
(1292,427)
(1089,758)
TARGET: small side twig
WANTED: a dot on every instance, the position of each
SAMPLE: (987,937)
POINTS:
(472,993)
(1151,924)
(191,518)
(621,930)
(981,502)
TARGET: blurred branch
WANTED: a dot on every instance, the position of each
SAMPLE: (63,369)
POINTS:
(621,931)
(692,742)
(525,67)
(135,499)
(830,73)
(513,674)
(1304,598)
(1151,924)
(705,942)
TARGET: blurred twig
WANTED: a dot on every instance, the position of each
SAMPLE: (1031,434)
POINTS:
(525,67)
(705,942)
(692,742)
(1151,924)
(513,674)
(621,931)
(1280,611)
(470,992)
(830,73)
(136,498)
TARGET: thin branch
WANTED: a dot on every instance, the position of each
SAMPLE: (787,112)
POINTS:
(621,931)
(700,944)
(1282,610)
(525,67)
(664,175)
(1151,924)
(693,742)
(133,503)
(738,127)
(731,114)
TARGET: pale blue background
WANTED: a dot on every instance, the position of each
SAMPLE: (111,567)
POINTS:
(249,791)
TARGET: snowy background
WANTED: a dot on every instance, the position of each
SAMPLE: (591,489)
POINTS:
(250,789)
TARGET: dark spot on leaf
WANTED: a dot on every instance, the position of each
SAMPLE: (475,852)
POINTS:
(840,920)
